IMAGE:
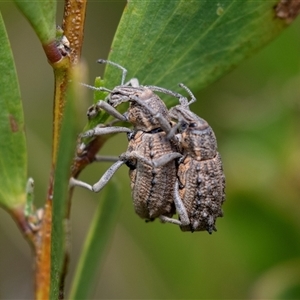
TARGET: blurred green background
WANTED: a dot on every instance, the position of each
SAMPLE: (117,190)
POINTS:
(254,112)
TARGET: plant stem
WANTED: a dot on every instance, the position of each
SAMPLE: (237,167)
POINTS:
(73,24)
(74,10)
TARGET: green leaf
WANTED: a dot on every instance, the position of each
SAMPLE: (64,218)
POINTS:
(96,243)
(41,15)
(13,155)
(65,154)
(195,42)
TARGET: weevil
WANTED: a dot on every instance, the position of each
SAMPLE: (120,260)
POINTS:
(201,181)
(153,187)
(200,171)
(139,97)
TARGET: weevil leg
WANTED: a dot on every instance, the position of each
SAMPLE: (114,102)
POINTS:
(180,208)
(110,124)
(164,123)
(165,219)
(165,159)
(75,182)
(127,156)
(171,135)
(93,110)
(98,186)
(101,130)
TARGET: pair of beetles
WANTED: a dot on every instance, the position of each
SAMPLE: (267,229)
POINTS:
(174,166)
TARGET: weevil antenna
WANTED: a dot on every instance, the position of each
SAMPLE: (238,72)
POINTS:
(165,91)
(100,88)
(193,98)
(124,71)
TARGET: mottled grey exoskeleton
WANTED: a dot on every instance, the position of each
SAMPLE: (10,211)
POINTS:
(151,156)
(200,172)
(201,181)
(146,110)
(152,187)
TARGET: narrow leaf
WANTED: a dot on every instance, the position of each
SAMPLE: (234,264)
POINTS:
(195,42)
(96,244)
(13,156)
(60,195)
(41,15)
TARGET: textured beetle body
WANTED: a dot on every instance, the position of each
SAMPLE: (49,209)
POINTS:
(200,172)
(152,187)
(193,186)
(141,117)
(150,156)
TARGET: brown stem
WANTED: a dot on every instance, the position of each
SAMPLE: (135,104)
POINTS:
(62,76)
(43,255)
(43,246)
(18,215)
(79,164)
(73,25)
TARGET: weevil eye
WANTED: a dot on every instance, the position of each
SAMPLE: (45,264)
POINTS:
(130,135)
(183,126)
(193,125)
(131,165)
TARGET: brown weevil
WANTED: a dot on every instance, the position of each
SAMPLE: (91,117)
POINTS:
(200,171)
(201,181)
(151,155)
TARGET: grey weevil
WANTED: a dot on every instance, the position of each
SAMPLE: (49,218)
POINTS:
(150,155)
(201,180)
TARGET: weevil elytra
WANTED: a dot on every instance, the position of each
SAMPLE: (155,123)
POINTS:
(152,186)
(200,172)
